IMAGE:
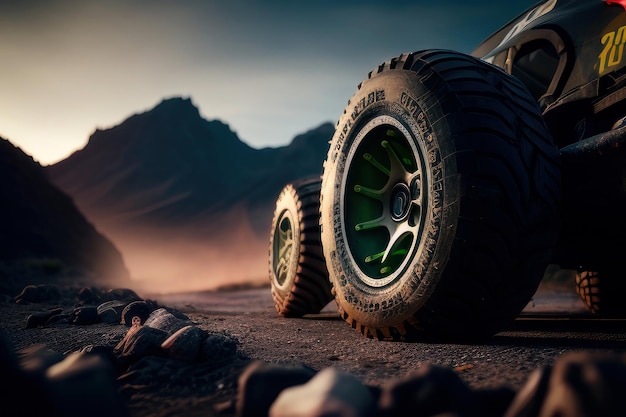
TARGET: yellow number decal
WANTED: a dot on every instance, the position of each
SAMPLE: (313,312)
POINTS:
(613,51)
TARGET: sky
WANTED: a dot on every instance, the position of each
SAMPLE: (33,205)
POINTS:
(269,69)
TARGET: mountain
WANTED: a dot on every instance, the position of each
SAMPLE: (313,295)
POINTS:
(183,197)
(43,234)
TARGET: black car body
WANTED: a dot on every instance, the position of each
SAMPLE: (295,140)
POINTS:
(570,54)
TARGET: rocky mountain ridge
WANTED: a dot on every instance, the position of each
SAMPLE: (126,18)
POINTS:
(168,186)
(43,234)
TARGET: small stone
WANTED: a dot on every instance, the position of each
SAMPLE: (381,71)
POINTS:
(578,384)
(40,319)
(431,389)
(329,393)
(138,342)
(138,309)
(116,305)
(59,319)
(85,384)
(122,294)
(261,383)
(176,313)
(38,294)
(164,320)
(111,311)
(36,359)
(25,378)
(110,316)
(154,371)
(86,315)
(102,350)
(88,296)
(185,344)
(218,348)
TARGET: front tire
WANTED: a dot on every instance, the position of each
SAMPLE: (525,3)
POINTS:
(439,198)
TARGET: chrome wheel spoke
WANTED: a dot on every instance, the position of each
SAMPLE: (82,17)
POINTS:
(375,194)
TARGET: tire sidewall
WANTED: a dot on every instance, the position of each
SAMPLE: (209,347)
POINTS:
(286,206)
(399,96)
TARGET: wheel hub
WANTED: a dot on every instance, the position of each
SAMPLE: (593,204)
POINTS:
(400,202)
(284,245)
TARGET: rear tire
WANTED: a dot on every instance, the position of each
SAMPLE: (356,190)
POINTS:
(602,292)
(298,275)
(439,200)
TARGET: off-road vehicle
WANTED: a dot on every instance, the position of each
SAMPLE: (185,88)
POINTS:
(454,180)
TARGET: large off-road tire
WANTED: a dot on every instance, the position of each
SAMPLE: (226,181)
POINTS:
(439,200)
(603,292)
(298,274)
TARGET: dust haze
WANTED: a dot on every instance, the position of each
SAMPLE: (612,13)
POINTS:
(165,260)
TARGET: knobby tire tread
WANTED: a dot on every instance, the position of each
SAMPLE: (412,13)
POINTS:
(310,288)
(479,290)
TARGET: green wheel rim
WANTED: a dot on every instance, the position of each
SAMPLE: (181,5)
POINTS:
(384,200)
(284,247)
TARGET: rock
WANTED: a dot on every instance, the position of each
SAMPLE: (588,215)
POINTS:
(431,389)
(109,316)
(329,393)
(261,383)
(40,319)
(86,315)
(59,319)
(493,402)
(579,384)
(122,294)
(116,305)
(138,309)
(176,313)
(105,351)
(138,342)
(218,348)
(111,311)
(88,296)
(185,344)
(36,359)
(154,371)
(38,294)
(17,383)
(163,319)
(85,384)
(528,400)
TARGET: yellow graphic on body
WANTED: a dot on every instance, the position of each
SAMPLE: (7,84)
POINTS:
(613,50)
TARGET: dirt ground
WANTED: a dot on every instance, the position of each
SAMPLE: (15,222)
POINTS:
(552,324)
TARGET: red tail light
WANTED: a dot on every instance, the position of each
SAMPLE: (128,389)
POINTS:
(620,2)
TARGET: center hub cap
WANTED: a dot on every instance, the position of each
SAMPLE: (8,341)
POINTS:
(400,202)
